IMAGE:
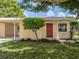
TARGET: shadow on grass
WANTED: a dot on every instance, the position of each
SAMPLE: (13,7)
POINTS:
(38,50)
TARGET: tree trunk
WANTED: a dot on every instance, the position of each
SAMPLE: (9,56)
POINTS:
(35,31)
(78,14)
(71,34)
(36,35)
(71,31)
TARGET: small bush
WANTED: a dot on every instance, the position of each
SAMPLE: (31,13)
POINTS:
(43,40)
(28,39)
(55,41)
(22,39)
(47,40)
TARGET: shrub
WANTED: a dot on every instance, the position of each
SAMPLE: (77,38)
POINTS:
(47,40)
(22,39)
(55,41)
(43,40)
(28,39)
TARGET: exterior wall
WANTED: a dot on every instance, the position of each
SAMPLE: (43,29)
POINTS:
(65,35)
(2,30)
(42,32)
(6,28)
(25,33)
(9,31)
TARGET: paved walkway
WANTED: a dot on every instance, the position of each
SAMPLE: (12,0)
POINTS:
(4,40)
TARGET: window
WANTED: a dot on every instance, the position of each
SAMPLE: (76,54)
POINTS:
(62,27)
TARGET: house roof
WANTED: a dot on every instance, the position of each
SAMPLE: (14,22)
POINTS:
(57,18)
(46,18)
(11,18)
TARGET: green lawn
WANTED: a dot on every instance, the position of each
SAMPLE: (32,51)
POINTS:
(38,50)
(76,36)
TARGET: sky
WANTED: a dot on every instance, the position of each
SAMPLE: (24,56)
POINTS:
(56,12)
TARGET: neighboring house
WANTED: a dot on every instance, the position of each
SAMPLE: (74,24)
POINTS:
(55,28)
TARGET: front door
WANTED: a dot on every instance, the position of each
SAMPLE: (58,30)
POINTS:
(49,29)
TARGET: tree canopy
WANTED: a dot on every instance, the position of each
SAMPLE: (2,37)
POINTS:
(72,5)
(34,24)
(42,5)
(10,8)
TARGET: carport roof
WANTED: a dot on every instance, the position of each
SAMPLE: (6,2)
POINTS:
(11,18)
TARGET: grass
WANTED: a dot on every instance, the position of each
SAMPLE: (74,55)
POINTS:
(38,50)
(76,36)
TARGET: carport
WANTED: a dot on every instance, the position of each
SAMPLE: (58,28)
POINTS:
(8,27)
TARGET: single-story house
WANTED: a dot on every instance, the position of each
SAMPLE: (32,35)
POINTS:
(55,28)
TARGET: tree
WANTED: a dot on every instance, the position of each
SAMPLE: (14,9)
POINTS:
(34,24)
(72,24)
(53,1)
(74,27)
(72,5)
(41,5)
(10,8)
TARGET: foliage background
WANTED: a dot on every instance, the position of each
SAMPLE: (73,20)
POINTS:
(10,8)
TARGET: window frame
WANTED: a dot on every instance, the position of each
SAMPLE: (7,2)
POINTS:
(62,27)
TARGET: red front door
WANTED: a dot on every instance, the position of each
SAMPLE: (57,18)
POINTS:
(49,29)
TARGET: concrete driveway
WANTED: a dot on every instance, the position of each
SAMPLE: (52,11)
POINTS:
(2,40)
